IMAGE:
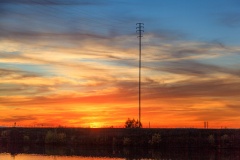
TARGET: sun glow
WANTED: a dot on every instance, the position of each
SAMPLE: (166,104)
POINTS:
(95,125)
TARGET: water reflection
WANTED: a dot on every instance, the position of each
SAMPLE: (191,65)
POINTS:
(97,153)
(46,157)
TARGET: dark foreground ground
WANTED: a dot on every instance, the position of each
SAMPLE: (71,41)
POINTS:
(120,137)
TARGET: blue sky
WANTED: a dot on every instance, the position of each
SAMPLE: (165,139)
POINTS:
(83,54)
(195,20)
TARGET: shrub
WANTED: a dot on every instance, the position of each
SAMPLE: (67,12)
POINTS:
(126,141)
(55,138)
(61,138)
(156,139)
(225,138)
(211,139)
(26,139)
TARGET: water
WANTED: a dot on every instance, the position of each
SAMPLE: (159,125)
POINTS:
(45,157)
(103,153)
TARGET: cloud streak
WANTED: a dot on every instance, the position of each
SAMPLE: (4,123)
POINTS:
(66,61)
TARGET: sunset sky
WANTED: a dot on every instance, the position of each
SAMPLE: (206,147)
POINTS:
(74,63)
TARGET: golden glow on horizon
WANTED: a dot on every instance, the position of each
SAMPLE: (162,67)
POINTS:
(95,125)
(68,87)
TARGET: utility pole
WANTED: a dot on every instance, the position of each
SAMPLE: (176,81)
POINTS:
(139,28)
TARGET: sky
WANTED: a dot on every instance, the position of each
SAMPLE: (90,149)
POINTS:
(75,63)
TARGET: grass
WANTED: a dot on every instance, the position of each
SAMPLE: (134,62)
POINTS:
(149,138)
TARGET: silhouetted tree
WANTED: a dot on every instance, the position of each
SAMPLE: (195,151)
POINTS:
(132,123)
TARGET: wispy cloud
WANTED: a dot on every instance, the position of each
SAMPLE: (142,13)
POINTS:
(85,65)
(107,75)
(231,20)
(14,119)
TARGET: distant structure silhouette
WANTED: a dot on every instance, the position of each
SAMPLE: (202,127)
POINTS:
(206,125)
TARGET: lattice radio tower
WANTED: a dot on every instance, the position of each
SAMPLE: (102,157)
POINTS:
(139,30)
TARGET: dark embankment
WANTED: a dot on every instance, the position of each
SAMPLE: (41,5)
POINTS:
(119,137)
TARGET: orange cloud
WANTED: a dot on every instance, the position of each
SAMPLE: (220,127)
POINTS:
(95,82)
